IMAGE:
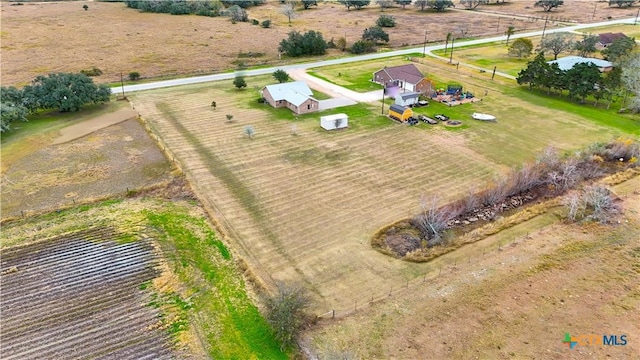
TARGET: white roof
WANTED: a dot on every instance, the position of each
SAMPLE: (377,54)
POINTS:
(409,95)
(333,117)
(568,62)
(295,92)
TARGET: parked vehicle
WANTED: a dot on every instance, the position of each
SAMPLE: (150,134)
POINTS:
(427,119)
(441,117)
(412,121)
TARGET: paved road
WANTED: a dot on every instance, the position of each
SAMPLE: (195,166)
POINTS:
(264,71)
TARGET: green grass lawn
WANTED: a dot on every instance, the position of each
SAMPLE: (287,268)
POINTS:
(233,326)
(488,56)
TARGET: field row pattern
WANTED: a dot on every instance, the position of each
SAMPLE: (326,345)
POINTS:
(76,296)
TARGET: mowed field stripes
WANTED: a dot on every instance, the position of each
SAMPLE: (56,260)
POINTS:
(320,195)
(77,296)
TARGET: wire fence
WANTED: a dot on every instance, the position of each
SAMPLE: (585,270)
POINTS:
(453,264)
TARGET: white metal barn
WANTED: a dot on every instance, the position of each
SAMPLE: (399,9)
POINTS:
(334,122)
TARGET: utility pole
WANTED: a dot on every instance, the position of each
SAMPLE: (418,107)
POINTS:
(637,15)
(384,89)
(498,27)
(545,26)
(424,47)
(595,6)
(122,85)
(453,39)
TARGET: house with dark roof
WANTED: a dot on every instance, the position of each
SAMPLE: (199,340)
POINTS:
(296,96)
(569,62)
(606,39)
(407,77)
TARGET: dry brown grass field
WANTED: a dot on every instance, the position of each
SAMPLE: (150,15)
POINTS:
(39,38)
(513,303)
(304,207)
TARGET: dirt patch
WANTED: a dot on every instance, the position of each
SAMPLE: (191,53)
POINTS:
(104,163)
(87,127)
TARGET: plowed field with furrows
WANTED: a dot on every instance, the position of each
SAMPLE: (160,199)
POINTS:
(77,296)
(304,207)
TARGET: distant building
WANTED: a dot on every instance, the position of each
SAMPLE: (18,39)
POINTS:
(407,77)
(606,39)
(568,62)
(296,96)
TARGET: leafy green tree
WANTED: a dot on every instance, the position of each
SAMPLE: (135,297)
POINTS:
(239,82)
(619,49)
(134,75)
(11,95)
(437,5)
(581,80)
(587,45)
(375,34)
(64,92)
(548,5)
(286,312)
(308,3)
(510,31)
(357,4)
(309,43)
(341,44)
(242,3)
(521,48)
(622,3)
(472,4)
(386,21)
(534,71)
(403,3)
(557,43)
(85,7)
(281,76)
(362,46)
(10,112)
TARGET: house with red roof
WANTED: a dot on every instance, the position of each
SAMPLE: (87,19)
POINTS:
(406,77)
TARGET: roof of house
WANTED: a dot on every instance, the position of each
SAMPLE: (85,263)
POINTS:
(409,95)
(408,73)
(568,62)
(296,92)
(398,108)
(609,38)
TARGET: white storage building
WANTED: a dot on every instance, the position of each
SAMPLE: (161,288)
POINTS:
(334,122)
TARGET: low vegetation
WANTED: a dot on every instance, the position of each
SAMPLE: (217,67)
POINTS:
(551,175)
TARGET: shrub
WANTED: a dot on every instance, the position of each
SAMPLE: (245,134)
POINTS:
(386,21)
(239,82)
(286,312)
(594,203)
(249,131)
(134,75)
(255,22)
(266,24)
(94,71)
(362,46)
(309,43)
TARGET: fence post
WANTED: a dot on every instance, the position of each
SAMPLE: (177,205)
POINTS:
(390,290)
(333,314)
(356,307)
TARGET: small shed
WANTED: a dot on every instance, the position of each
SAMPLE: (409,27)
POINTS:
(400,112)
(408,98)
(334,122)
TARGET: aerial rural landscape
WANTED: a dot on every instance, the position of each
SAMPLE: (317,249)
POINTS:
(350,179)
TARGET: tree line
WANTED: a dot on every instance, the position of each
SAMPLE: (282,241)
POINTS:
(64,92)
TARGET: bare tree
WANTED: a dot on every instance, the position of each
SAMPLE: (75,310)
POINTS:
(432,220)
(249,131)
(384,4)
(472,4)
(289,10)
(286,312)
(557,43)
